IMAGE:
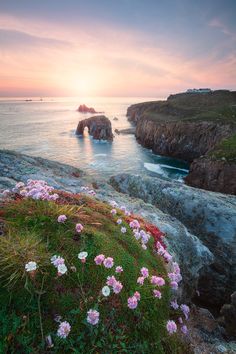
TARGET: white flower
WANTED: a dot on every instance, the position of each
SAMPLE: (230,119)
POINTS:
(30,266)
(123,230)
(106,291)
(62,269)
(83,255)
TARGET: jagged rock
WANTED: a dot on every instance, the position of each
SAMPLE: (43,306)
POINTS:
(210,216)
(84,109)
(98,126)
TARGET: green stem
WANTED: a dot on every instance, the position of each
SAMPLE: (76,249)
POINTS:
(39,310)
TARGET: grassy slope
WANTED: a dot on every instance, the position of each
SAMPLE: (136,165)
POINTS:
(33,233)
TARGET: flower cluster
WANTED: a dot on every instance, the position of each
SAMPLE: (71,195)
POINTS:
(175,276)
(101,259)
(40,190)
(139,234)
(59,263)
(163,252)
(116,285)
(87,190)
(185,310)
(154,280)
(35,189)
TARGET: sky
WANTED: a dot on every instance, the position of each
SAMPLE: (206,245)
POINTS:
(146,48)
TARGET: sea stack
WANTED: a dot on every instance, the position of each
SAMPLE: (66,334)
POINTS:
(99,127)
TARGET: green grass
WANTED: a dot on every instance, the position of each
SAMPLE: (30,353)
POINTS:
(226,149)
(29,305)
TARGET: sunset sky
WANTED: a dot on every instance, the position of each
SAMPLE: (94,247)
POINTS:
(116,48)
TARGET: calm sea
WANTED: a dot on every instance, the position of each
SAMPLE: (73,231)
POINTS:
(47,128)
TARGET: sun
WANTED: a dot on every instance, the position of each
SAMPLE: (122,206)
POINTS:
(86,84)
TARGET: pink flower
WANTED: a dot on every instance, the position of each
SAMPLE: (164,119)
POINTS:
(140,280)
(144,272)
(184,329)
(123,208)
(93,317)
(185,309)
(111,280)
(134,224)
(159,281)
(180,320)
(127,213)
(117,287)
(99,259)
(119,269)
(171,327)
(119,221)
(57,260)
(174,305)
(61,218)
(132,302)
(64,329)
(157,294)
(79,227)
(113,211)
(137,295)
(167,256)
(154,280)
(108,262)
(174,285)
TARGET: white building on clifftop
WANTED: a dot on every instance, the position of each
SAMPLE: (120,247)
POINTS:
(200,90)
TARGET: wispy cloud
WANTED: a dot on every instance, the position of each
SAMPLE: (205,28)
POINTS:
(220,25)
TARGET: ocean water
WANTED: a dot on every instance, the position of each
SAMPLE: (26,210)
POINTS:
(47,128)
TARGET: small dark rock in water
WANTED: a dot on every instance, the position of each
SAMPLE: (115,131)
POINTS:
(125,131)
(84,109)
(98,126)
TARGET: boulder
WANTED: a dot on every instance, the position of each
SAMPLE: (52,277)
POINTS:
(99,128)
(208,215)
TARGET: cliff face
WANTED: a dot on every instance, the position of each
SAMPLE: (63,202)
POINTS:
(211,174)
(189,126)
(184,140)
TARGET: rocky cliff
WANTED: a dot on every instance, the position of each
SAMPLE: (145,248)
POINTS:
(189,126)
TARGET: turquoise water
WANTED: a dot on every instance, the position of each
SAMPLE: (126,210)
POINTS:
(47,129)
